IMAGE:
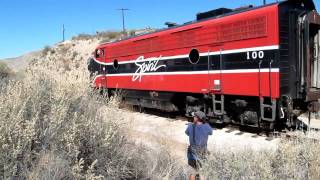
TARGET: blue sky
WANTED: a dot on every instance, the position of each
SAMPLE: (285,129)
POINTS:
(27,25)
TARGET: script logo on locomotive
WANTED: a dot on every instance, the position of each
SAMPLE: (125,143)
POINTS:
(146,66)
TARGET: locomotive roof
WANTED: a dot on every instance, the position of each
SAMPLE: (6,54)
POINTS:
(308,4)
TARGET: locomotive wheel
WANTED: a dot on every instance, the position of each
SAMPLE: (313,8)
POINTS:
(138,108)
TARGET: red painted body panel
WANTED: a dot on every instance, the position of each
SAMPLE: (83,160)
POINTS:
(254,28)
(246,84)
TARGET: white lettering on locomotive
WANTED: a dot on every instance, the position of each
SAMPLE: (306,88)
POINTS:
(255,55)
(146,66)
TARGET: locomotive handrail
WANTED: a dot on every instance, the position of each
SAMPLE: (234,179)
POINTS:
(270,78)
(259,79)
(221,61)
(209,65)
(259,93)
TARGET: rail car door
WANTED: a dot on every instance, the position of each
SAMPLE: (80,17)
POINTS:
(311,55)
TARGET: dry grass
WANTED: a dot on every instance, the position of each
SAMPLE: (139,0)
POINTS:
(54,126)
(46,115)
(104,36)
(107,36)
(46,50)
(294,159)
(82,36)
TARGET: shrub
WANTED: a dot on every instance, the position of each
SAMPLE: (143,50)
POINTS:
(132,32)
(41,120)
(108,36)
(53,124)
(64,49)
(82,36)
(46,50)
(5,71)
(50,130)
(74,54)
(293,159)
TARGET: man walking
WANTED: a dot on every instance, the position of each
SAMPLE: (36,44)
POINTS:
(198,133)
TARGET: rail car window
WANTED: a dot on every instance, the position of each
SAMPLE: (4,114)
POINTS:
(314,31)
(318,61)
(194,56)
(314,64)
(115,64)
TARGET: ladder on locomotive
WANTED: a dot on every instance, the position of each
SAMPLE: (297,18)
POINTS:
(217,96)
(272,104)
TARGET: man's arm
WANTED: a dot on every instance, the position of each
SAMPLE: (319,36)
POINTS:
(187,130)
(209,129)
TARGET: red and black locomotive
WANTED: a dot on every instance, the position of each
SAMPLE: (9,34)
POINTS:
(255,66)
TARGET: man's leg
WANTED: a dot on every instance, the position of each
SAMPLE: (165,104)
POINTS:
(192,177)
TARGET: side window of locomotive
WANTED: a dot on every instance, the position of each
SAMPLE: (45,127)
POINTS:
(194,56)
(115,64)
(97,53)
(127,68)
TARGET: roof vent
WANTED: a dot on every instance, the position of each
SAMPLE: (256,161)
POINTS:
(213,13)
(170,24)
(243,8)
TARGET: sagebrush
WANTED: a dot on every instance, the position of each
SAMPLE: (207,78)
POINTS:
(54,125)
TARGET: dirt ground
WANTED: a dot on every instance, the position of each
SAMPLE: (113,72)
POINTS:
(154,131)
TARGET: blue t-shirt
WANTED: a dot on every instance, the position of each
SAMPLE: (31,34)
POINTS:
(202,132)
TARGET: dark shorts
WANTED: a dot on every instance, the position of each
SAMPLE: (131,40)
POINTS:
(194,164)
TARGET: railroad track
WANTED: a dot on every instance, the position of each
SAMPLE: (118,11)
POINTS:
(269,135)
(231,127)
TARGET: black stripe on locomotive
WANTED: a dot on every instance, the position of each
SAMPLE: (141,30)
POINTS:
(229,62)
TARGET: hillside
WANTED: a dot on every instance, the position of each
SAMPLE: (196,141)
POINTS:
(64,50)
(82,45)
(21,62)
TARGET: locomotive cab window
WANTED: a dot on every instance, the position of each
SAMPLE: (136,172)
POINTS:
(194,56)
(99,53)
